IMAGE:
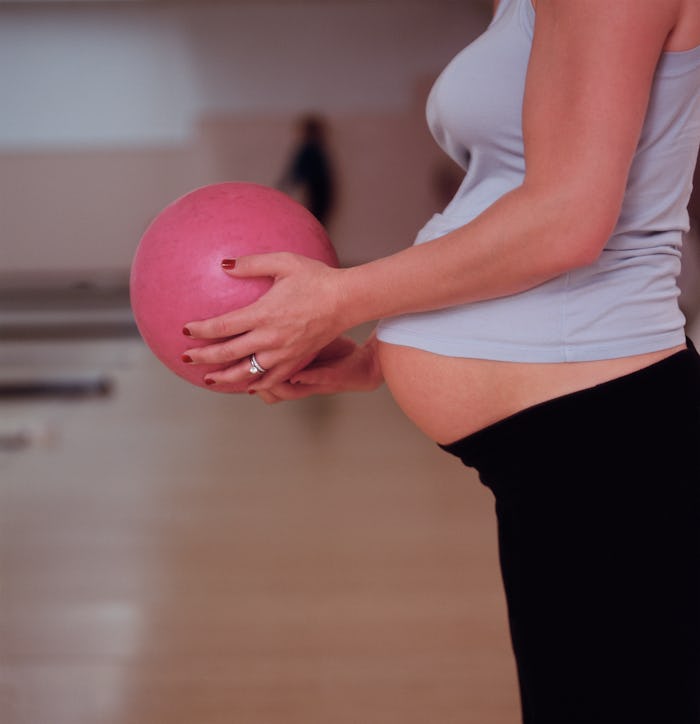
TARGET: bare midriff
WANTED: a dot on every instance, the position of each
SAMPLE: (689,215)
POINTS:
(449,398)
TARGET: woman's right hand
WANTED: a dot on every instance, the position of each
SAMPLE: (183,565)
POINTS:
(341,366)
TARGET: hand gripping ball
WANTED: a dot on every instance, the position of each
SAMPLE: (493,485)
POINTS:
(176,274)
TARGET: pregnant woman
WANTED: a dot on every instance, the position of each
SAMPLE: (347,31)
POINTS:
(533,330)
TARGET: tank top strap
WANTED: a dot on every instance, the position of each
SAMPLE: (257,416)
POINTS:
(501,9)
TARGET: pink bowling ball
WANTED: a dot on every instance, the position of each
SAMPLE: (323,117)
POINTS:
(176,274)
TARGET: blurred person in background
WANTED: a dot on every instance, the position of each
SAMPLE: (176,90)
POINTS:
(310,171)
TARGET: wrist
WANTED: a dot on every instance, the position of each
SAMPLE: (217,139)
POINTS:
(351,306)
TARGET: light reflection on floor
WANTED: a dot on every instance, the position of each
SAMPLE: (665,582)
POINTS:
(169,554)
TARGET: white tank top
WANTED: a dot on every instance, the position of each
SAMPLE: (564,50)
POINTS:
(626,302)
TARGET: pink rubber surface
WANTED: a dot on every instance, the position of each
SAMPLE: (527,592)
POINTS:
(176,274)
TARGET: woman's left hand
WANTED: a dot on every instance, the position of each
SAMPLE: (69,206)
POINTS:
(285,328)
(341,366)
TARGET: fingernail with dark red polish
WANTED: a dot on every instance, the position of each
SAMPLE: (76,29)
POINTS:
(186,332)
(228,263)
(251,392)
(186,358)
(209,382)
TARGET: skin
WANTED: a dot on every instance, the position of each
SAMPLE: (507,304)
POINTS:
(588,84)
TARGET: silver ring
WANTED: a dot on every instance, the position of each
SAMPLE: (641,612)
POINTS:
(255,367)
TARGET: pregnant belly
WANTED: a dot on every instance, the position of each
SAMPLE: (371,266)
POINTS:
(451,397)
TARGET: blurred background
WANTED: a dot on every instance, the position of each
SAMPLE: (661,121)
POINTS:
(168,554)
(112,109)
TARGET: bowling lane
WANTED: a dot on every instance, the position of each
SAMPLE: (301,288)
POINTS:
(173,555)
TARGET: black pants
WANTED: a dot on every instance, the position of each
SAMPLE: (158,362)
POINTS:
(598,506)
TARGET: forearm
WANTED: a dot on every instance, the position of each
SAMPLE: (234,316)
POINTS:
(522,240)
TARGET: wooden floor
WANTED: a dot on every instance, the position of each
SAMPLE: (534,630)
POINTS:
(169,555)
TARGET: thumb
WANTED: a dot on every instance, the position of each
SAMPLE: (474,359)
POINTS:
(273,264)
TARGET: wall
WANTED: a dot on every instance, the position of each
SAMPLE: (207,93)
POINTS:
(113,109)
